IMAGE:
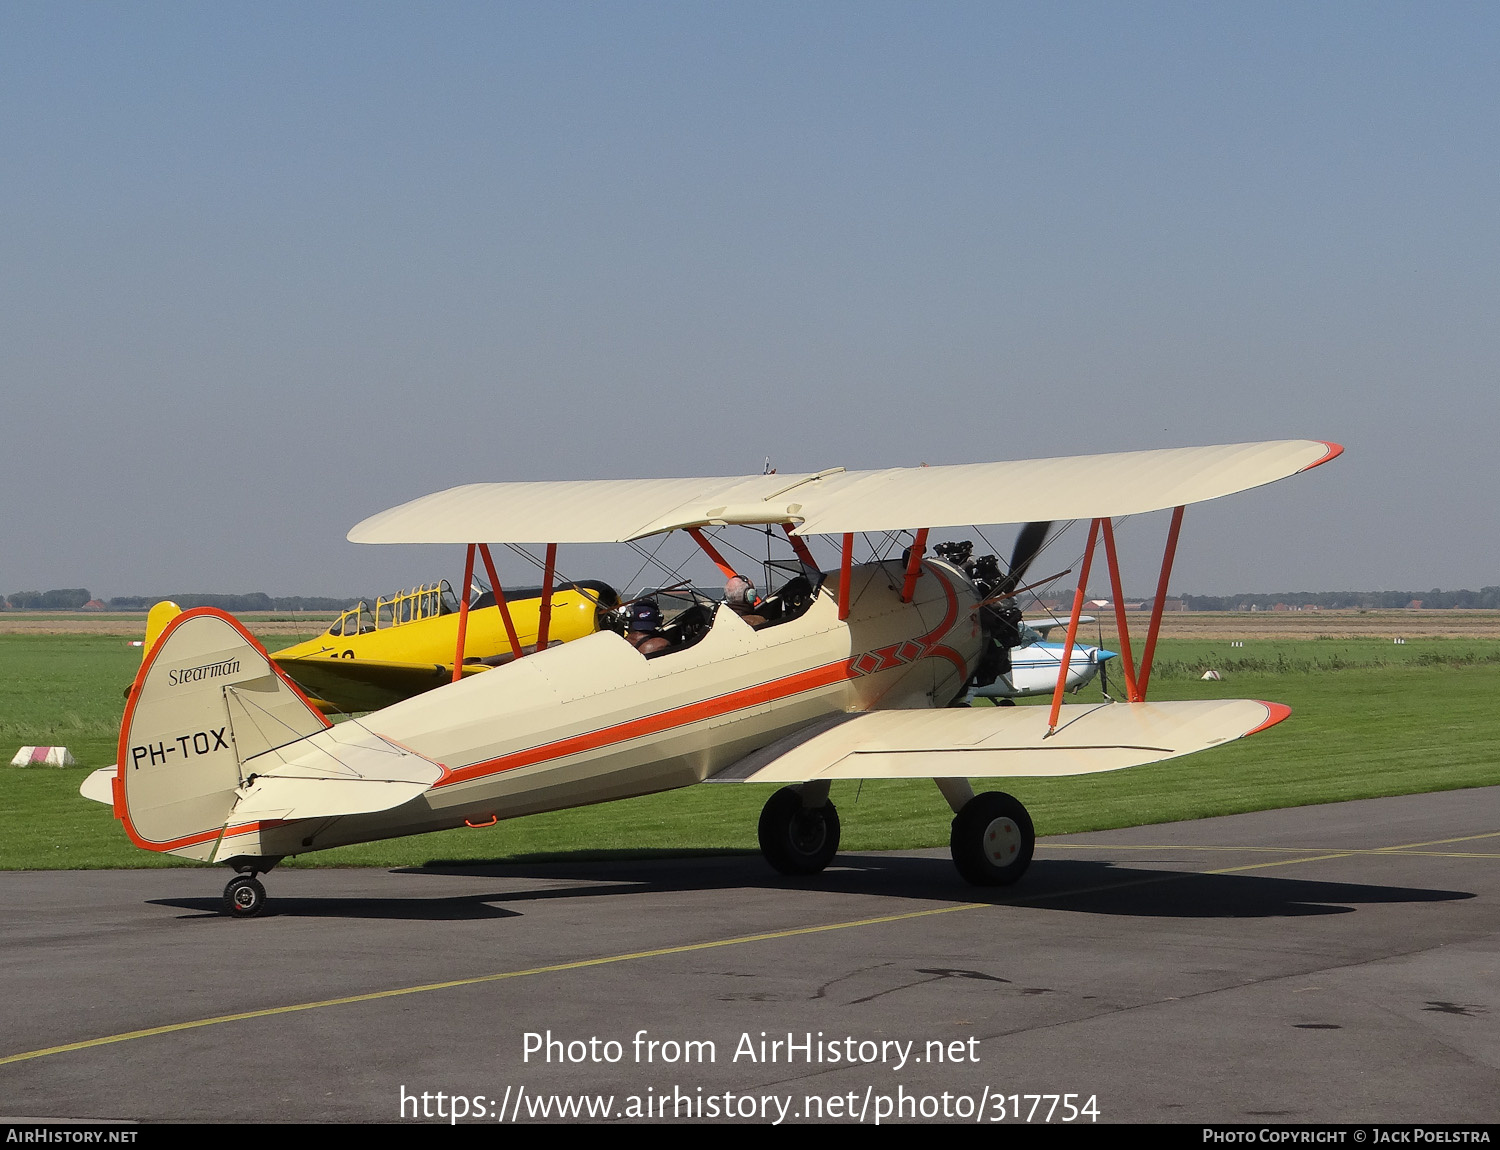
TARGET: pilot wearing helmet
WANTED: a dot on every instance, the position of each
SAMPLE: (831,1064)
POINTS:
(643,628)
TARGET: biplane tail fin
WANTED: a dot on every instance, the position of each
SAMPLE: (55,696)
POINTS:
(206,699)
(156,622)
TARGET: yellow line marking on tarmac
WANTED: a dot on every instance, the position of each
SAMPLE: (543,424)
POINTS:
(374,996)
(1445,842)
(1280,850)
(580,964)
(1279,862)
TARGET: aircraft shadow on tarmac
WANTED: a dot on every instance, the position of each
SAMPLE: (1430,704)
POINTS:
(451,909)
(1065,885)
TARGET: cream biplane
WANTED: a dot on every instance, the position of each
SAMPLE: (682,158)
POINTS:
(850,674)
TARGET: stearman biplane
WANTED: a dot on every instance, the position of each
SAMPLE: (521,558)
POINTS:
(851,673)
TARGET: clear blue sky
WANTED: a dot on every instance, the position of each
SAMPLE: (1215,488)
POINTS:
(268,268)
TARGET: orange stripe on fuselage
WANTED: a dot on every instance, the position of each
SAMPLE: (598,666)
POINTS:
(776,689)
(824,676)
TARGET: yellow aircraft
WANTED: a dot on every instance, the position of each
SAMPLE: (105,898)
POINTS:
(407,644)
(848,673)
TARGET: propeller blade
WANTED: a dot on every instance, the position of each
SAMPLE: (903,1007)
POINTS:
(1028,545)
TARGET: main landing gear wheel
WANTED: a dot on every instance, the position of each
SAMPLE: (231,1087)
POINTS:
(992,839)
(795,839)
(244,897)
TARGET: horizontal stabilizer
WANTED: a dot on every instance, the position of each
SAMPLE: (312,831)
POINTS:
(346,770)
(1001,742)
(99,785)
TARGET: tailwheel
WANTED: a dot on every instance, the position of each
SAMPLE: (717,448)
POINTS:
(992,839)
(798,839)
(244,897)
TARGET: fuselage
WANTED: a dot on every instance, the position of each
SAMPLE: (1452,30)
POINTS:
(433,638)
(594,720)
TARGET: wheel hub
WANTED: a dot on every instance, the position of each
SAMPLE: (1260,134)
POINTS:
(1002,841)
(808,832)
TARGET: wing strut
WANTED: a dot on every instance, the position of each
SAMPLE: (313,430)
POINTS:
(846,564)
(1132,695)
(1135,686)
(544,622)
(510,627)
(1083,582)
(1161,595)
(463,615)
(799,545)
(713,553)
(914,565)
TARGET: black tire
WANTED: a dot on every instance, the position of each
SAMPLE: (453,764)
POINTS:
(992,840)
(798,840)
(244,897)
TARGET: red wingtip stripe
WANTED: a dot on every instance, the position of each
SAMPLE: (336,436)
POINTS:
(1333,452)
(1278,711)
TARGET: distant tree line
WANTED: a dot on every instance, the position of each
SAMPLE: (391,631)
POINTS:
(254,601)
(1486,598)
(63,599)
(72,598)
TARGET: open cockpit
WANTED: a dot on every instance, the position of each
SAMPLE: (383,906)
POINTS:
(684,614)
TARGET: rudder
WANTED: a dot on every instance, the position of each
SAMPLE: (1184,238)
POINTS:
(207,698)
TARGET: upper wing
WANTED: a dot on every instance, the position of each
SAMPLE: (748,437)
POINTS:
(838,501)
(996,742)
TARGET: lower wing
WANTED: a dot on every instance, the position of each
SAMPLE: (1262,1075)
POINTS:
(998,742)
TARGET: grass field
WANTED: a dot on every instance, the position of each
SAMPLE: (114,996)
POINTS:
(1370,718)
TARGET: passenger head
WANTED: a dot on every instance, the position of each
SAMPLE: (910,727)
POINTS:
(643,615)
(739,593)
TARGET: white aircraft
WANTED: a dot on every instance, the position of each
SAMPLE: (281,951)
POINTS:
(1034,668)
(848,675)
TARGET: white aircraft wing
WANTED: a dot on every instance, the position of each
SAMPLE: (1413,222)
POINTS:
(1043,627)
(839,501)
(1000,742)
